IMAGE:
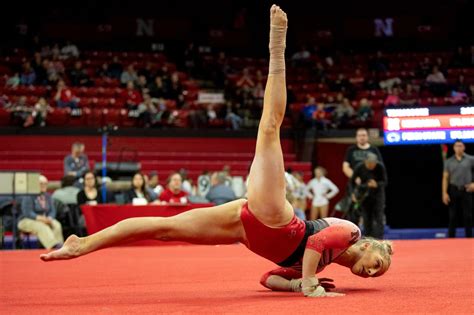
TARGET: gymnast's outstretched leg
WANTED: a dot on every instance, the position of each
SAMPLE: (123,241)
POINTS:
(266,186)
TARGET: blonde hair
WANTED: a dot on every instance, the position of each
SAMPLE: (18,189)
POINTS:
(384,247)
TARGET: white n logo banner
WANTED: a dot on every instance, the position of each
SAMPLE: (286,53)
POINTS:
(383,27)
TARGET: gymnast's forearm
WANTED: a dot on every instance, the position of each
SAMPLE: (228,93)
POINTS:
(129,230)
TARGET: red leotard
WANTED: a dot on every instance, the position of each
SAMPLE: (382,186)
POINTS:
(274,244)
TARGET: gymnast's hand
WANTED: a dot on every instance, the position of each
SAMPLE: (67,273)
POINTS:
(312,288)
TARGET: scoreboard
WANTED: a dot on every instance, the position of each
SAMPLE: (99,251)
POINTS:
(428,125)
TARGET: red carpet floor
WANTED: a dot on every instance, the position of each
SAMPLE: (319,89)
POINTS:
(432,276)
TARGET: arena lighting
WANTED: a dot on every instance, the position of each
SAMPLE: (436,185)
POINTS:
(428,125)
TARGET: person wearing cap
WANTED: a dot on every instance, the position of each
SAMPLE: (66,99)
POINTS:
(368,183)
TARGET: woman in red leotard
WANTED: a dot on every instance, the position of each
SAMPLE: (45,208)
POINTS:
(265,222)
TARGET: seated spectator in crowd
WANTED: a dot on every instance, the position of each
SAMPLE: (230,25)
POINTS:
(341,84)
(115,68)
(173,192)
(146,71)
(393,98)
(461,85)
(78,75)
(232,117)
(186,182)
(308,111)
(64,97)
(38,216)
(301,57)
(154,184)
(424,67)
(91,194)
(245,80)
(39,114)
(441,66)
(13,81)
(357,79)
(175,90)
(131,96)
(157,88)
(138,189)
(408,96)
(436,81)
(69,51)
(103,71)
(151,192)
(28,75)
(129,75)
(436,76)
(220,193)
(343,113)
(147,111)
(76,164)
(142,84)
(320,117)
(67,194)
(19,111)
(365,112)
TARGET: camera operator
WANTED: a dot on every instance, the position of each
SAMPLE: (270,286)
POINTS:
(368,185)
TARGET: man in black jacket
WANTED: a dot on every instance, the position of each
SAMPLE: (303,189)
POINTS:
(368,185)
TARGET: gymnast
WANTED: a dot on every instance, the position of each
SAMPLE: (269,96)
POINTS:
(264,222)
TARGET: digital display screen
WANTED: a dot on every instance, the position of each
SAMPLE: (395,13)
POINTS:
(428,125)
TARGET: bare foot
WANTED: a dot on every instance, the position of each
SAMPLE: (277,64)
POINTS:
(278,17)
(69,250)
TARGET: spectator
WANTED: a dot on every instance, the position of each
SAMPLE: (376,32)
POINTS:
(147,72)
(115,68)
(154,183)
(437,83)
(343,113)
(13,81)
(321,190)
(186,183)
(38,216)
(104,71)
(341,84)
(64,97)
(175,90)
(142,84)
(460,58)
(129,75)
(78,76)
(424,67)
(393,98)
(69,51)
(308,111)
(20,111)
(38,65)
(356,154)
(461,85)
(232,118)
(320,117)
(91,194)
(409,96)
(76,164)
(301,57)
(457,187)
(220,193)
(357,79)
(28,75)
(52,76)
(131,96)
(436,76)
(147,111)
(138,189)
(39,114)
(173,192)
(157,88)
(365,112)
(67,194)
(368,193)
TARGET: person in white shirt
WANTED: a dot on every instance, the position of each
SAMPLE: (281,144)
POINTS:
(320,189)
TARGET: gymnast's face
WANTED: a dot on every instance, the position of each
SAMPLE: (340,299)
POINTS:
(370,264)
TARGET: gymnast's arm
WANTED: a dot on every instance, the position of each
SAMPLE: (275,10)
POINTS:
(338,236)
